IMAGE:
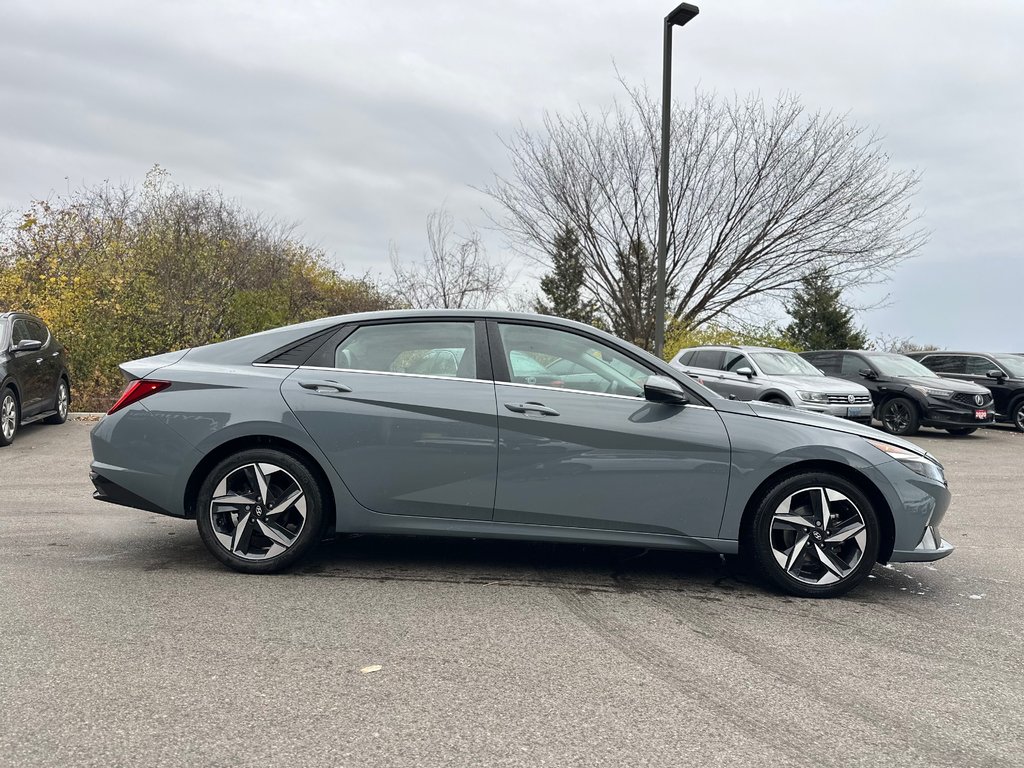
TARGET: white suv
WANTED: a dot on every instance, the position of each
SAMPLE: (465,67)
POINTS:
(774,376)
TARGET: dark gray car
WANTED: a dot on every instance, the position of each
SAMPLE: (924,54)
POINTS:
(34,380)
(526,428)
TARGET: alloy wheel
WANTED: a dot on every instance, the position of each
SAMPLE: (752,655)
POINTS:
(258,511)
(62,400)
(818,536)
(897,417)
(8,417)
(1018,417)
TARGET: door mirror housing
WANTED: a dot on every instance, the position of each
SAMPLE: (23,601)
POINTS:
(662,389)
(28,345)
(995,374)
(867,373)
(745,371)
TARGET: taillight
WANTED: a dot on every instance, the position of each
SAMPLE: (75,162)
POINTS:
(135,391)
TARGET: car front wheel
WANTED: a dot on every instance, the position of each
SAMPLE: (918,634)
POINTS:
(899,417)
(814,535)
(260,511)
(1018,415)
(9,417)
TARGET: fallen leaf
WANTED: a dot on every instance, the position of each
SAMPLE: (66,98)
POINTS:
(371,668)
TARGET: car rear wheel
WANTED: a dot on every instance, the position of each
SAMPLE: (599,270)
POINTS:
(10,419)
(260,511)
(62,402)
(899,417)
(814,535)
(962,430)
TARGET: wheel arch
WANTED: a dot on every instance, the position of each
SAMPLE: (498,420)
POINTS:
(12,383)
(247,442)
(775,394)
(886,521)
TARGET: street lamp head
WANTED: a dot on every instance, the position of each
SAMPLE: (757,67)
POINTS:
(682,14)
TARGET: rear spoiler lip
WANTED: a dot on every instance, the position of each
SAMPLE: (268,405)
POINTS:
(147,366)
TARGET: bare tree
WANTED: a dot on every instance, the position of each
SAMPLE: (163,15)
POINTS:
(759,196)
(454,273)
(903,345)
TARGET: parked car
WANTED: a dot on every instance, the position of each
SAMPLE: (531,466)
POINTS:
(907,396)
(272,441)
(34,380)
(1003,374)
(774,376)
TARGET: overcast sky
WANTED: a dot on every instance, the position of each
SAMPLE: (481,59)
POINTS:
(357,118)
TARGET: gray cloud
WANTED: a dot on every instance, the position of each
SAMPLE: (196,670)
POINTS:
(357,119)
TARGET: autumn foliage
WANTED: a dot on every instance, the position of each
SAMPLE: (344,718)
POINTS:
(124,272)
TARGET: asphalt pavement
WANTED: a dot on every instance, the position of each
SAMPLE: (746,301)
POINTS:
(123,643)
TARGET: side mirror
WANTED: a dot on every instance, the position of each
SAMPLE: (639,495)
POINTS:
(995,374)
(662,389)
(745,371)
(28,345)
(867,373)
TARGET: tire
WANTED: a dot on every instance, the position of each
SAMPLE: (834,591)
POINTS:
(272,537)
(899,417)
(10,417)
(63,402)
(962,430)
(1017,415)
(770,542)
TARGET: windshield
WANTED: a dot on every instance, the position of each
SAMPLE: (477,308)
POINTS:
(1014,364)
(899,365)
(783,364)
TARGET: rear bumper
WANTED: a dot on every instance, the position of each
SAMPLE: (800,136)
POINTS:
(109,491)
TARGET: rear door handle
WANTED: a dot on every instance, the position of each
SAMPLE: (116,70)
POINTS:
(325,387)
(540,408)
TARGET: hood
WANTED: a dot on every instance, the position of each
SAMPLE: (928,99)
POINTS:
(825,384)
(937,382)
(834,423)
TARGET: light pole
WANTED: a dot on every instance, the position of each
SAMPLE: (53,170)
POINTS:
(677,18)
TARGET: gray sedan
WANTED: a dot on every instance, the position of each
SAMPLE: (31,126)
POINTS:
(507,426)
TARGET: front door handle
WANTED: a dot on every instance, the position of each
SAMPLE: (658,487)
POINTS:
(539,408)
(325,387)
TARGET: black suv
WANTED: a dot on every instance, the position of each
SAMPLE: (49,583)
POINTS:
(1001,373)
(907,395)
(34,381)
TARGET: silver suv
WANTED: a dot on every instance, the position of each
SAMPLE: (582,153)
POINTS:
(774,376)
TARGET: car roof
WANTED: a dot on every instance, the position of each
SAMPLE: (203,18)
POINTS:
(741,347)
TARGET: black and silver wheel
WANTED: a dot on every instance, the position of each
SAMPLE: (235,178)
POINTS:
(1017,415)
(259,511)
(814,535)
(899,417)
(961,431)
(10,418)
(62,402)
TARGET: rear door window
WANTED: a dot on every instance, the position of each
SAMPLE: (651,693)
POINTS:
(445,349)
(944,363)
(708,358)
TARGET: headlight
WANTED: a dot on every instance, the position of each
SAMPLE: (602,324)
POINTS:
(922,465)
(941,394)
(813,397)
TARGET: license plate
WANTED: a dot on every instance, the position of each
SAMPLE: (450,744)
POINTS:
(982,414)
(856,411)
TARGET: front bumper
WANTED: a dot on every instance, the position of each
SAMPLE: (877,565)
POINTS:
(860,412)
(931,547)
(944,416)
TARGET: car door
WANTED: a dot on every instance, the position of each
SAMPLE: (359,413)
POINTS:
(706,367)
(602,459)
(405,442)
(735,384)
(27,369)
(49,368)
(977,369)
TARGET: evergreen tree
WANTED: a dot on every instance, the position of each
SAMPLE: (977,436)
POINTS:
(563,287)
(820,318)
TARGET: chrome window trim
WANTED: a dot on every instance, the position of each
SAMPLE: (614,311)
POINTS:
(631,398)
(273,365)
(393,373)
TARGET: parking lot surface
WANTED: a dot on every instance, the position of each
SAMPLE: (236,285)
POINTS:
(122,642)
